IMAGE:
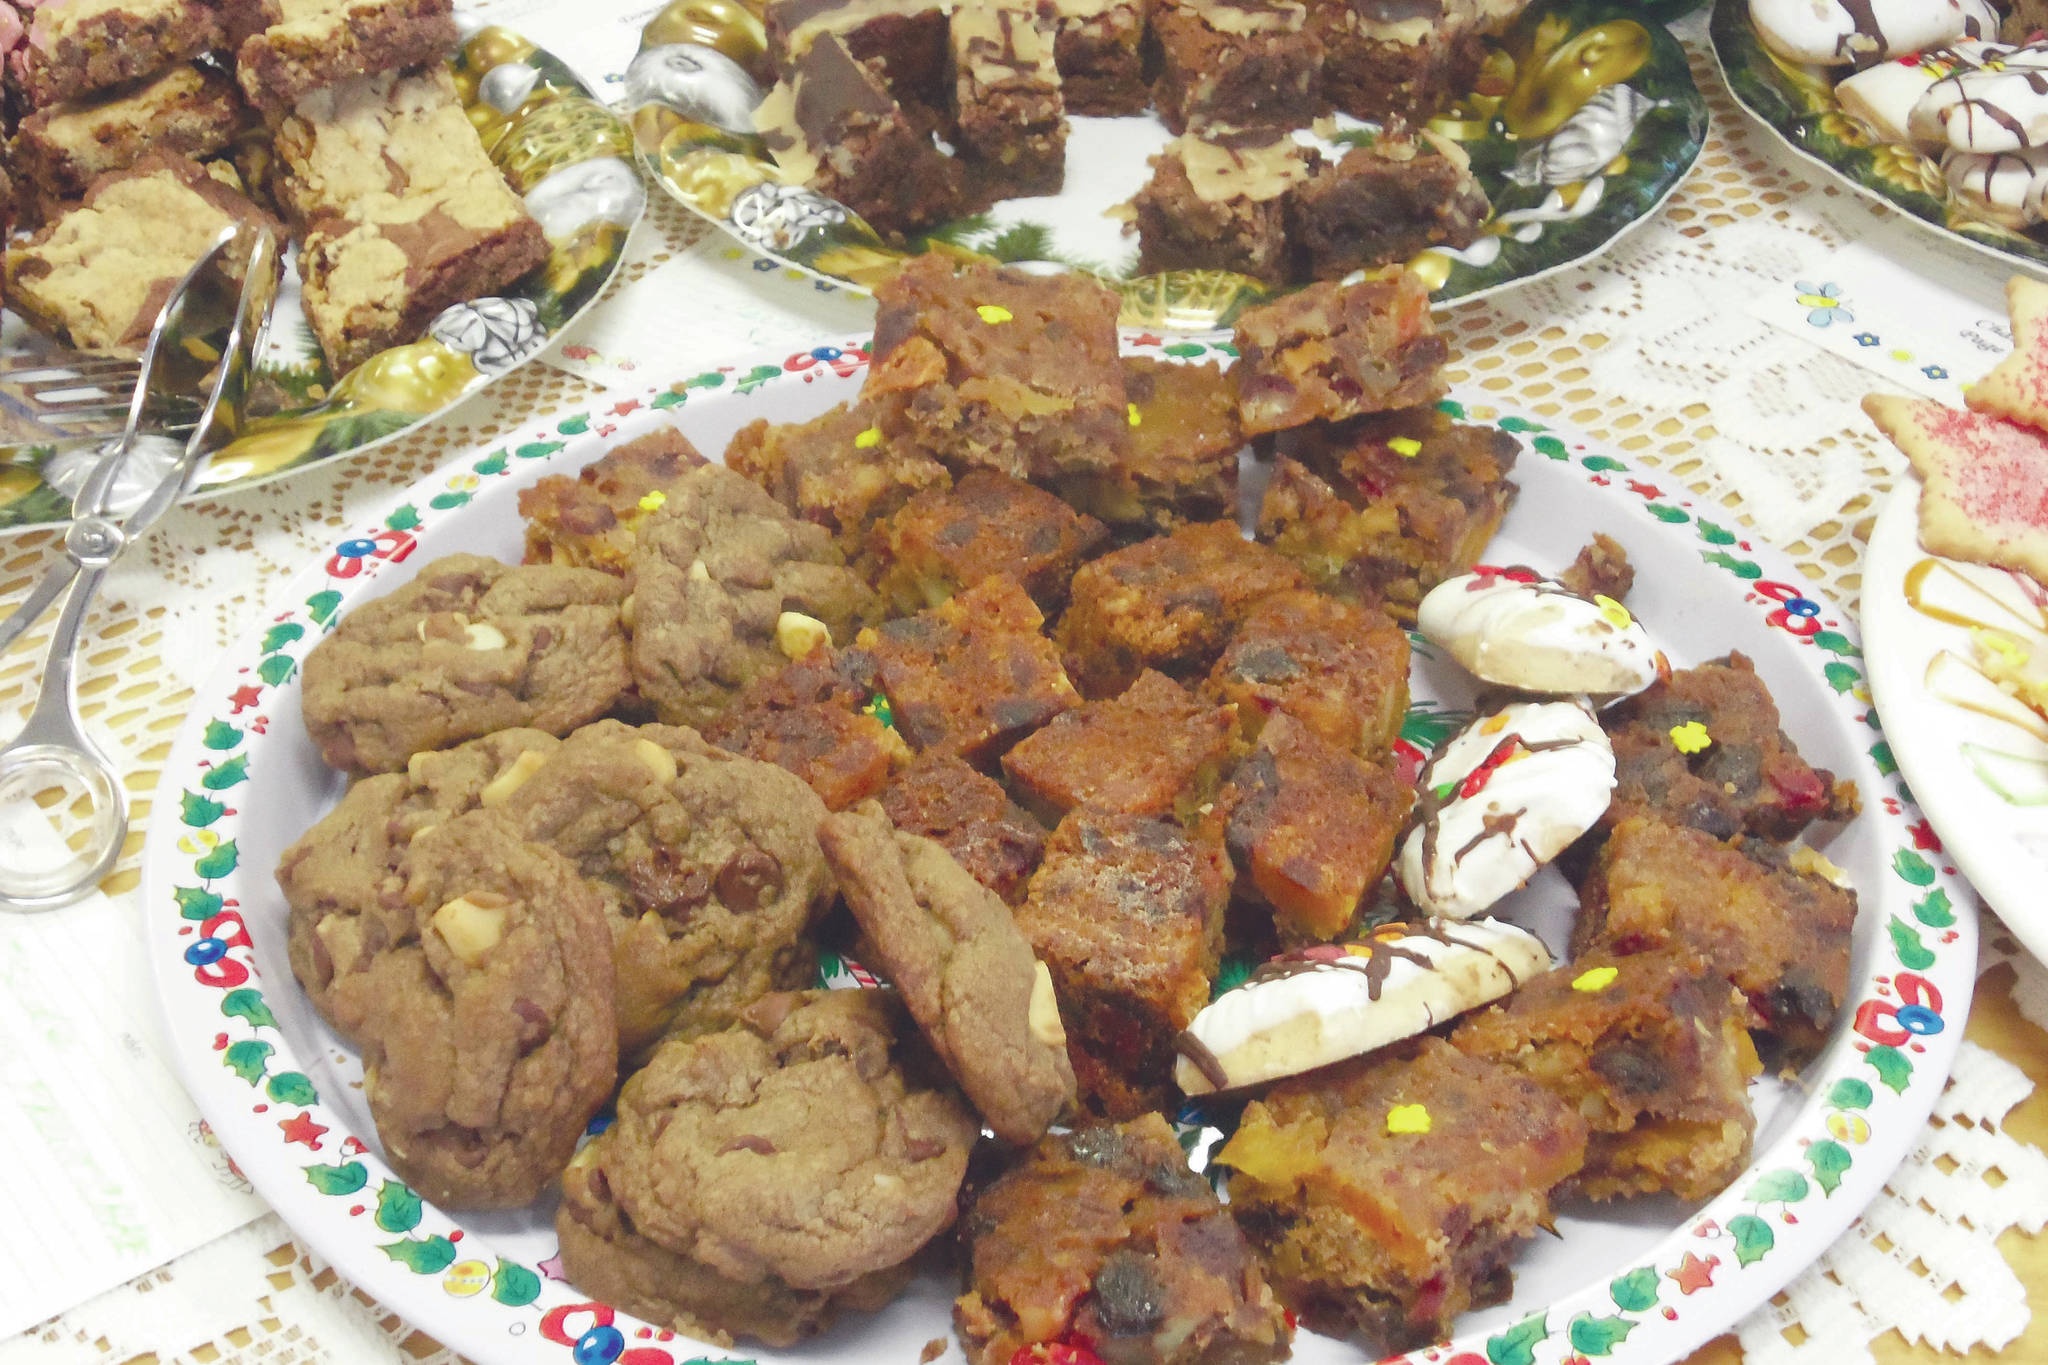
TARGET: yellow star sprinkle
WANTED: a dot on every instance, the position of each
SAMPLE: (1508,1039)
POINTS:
(1131,414)
(1690,738)
(993,313)
(652,501)
(1408,1118)
(1407,447)
(1597,979)
(867,439)
(1493,725)
(1616,614)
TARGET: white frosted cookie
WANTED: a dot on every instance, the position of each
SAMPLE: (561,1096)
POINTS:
(1993,99)
(1882,97)
(1501,798)
(1862,32)
(2001,187)
(1319,1005)
(1509,626)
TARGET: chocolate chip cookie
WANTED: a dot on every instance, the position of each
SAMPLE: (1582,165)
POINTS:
(708,861)
(718,569)
(469,646)
(341,879)
(492,1042)
(966,973)
(761,1179)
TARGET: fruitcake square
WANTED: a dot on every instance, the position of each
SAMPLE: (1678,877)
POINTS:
(946,539)
(1651,1052)
(1103,1235)
(1167,603)
(1780,934)
(1184,446)
(1155,750)
(1704,749)
(1236,64)
(592,520)
(1383,204)
(1332,351)
(837,469)
(1339,668)
(973,675)
(817,718)
(1218,201)
(1312,828)
(993,367)
(1127,912)
(1386,1196)
(995,839)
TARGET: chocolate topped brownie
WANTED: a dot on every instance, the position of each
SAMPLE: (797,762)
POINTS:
(1006,100)
(1235,64)
(1383,204)
(1096,46)
(1218,201)
(1398,61)
(907,38)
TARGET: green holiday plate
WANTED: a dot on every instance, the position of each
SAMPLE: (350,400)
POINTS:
(1798,104)
(562,151)
(1602,123)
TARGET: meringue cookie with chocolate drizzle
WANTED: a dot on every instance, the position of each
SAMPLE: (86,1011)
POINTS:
(1321,1004)
(1499,800)
(1512,627)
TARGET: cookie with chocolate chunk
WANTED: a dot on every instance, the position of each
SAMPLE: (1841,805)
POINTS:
(467,647)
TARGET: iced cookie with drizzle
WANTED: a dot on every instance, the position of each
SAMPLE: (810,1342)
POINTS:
(1329,1001)
(1500,799)
(1883,97)
(1862,33)
(2007,188)
(1512,627)
(1993,98)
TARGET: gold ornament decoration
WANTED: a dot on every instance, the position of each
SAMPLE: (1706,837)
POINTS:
(494,46)
(558,133)
(1186,300)
(725,26)
(590,249)
(711,179)
(1553,87)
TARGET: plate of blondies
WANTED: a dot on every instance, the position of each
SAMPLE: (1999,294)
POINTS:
(1938,109)
(1018,846)
(452,204)
(1198,154)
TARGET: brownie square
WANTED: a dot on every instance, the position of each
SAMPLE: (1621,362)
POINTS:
(1168,603)
(1235,64)
(1338,668)
(1394,62)
(1332,351)
(993,367)
(290,48)
(817,718)
(942,798)
(1781,935)
(1349,1180)
(1006,100)
(1104,1235)
(1219,202)
(1650,1051)
(73,50)
(1097,46)
(1384,204)
(189,110)
(1184,447)
(837,469)
(592,520)
(973,675)
(833,125)
(1155,750)
(1127,913)
(904,39)
(946,539)
(1311,827)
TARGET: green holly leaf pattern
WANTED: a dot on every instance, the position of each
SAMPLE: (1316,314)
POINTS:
(1605,464)
(195,902)
(248,1004)
(1635,1292)
(1913,868)
(1591,1336)
(1850,1093)
(1881,755)
(278,636)
(1713,534)
(1452,408)
(429,1256)
(1185,350)
(493,463)
(1550,446)
(224,775)
(248,1058)
(345,1178)
(277,669)
(514,1285)
(1894,1069)
(197,812)
(1935,910)
(398,1208)
(828,967)
(1779,1187)
(404,519)
(1828,1159)
(672,399)
(219,861)
(292,1087)
(1753,1238)
(447,502)
(756,377)
(1840,676)
(321,606)
(1521,424)
(574,426)
(1233,972)
(1907,947)
(1666,512)
(220,736)
(534,450)
(1517,1345)
(1741,568)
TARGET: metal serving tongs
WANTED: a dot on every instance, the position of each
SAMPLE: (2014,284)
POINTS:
(53,756)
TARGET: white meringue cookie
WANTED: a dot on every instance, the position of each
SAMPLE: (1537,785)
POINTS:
(1994,98)
(1832,33)
(1513,628)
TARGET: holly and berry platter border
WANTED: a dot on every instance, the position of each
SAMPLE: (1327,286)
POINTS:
(276,1087)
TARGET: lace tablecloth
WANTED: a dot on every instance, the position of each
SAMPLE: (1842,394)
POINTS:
(1646,348)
